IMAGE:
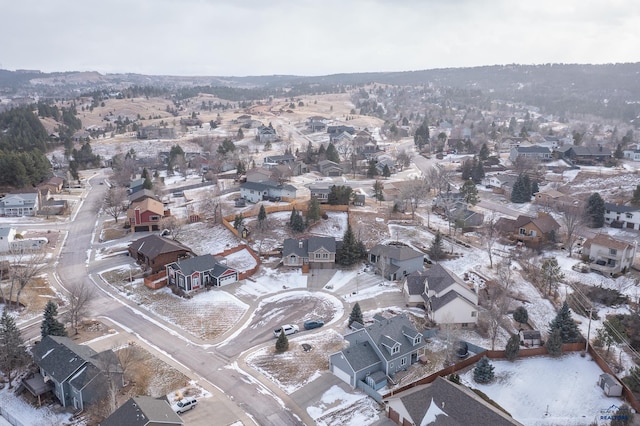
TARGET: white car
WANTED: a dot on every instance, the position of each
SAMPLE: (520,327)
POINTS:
(185,404)
(288,329)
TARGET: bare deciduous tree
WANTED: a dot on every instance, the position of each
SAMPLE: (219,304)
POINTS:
(490,234)
(115,202)
(404,160)
(499,300)
(80,294)
(210,207)
(572,219)
(415,193)
(174,225)
(24,266)
(439,178)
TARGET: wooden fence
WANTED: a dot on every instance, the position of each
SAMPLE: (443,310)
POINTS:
(244,274)
(157,280)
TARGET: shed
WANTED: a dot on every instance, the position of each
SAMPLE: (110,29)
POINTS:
(610,385)
(531,338)
(377,380)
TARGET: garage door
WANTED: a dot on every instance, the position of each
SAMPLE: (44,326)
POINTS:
(341,374)
(228,279)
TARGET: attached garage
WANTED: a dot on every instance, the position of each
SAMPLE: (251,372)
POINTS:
(341,374)
(230,277)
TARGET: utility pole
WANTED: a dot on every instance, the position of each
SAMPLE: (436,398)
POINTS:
(586,349)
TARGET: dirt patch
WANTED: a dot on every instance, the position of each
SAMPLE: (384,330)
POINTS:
(112,231)
(35,296)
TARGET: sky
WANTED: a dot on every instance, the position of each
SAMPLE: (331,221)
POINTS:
(311,37)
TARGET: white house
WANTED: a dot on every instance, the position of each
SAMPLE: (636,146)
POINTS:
(24,204)
(619,216)
(7,235)
(266,190)
(609,255)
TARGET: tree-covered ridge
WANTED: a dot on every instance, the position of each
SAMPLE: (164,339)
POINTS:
(21,169)
(21,130)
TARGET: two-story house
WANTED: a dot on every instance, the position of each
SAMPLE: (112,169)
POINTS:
(317,252)
(145,215)
(266,134)
(78,375)
(194,273)
(379,350)
(395,261)
(619,216)
(154,252)
(448,299)
(266,190)
(609,255)
(531,231)
(20,204)
(539,153)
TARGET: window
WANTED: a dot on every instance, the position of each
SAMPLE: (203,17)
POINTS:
(417,340)
(395,349)
(403,361)
(629,216)
(474,314)
(325,255)
(523,231)
(154,218)
(613,252)
(465,325)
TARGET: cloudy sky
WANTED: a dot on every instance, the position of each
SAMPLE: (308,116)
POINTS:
(311,37)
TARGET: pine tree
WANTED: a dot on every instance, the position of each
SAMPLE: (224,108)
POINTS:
(282,344)
(13,354)
(520,315)
(372,170)
(436,251)
(145,173)
(484,152)
(470,192)
(467,169)
(349,253)
(297,223)
(385,171)
(238,221)
(356,315)
(534,187)
(483,371)
(314,212)
(50,324)
(554,343)
(147,184)
(332,153)
(619,154)
(566,325)
(551,274)
(594,212)
(513,347)
(477,173)
(262,216)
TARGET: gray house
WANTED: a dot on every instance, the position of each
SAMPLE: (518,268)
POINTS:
(382,349)
(266,190)
(330,168)
(395,261)
(198,272)
(77,375)
(540,153)
(317,252)
(143,411)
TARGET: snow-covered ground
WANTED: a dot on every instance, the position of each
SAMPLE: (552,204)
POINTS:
(334,226)
(270,281)
(337,407)
(27,414)
(241,260)
(547,391)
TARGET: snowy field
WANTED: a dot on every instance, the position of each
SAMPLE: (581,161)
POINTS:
(334,226)
(270,281)
(27,414)
(547,391)
(337,407)
(241,260)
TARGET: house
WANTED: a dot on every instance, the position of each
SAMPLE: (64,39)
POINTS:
(316,123)
(446,298)
(145,215)
(396,261)
(266,190)
(143,411)
(532,231)
(556,200)
(273,160)
(155,252)
(78,375)
(194,273)
(20,204)
(54,184)
(266,134)
(141,195)
(632,154)
(390,164)
(7,235)
(609,255)
(587,154)
(379,350)
(620,216)
(136,185)
(317,252)
(539,153)
(610,385)
(443,402)
(501,183)
(334,131)
(156,132)
(452,206)
(258,175)
(329,168)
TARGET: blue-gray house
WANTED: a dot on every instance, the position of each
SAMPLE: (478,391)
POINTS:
(378,351)
(395,261)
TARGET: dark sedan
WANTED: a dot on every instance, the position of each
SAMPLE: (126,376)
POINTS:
(309,325)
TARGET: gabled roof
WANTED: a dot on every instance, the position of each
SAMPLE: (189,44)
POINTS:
(149,204)
(359,354)
(439,278)
(395,252)
(451,295)
(535,149)
(60,357)
(544,222)
(588,151)
(153,245)
(295,246)
(445,403)
(266,185)
(195,264)
(389,331)
(415,282)
(139,195)
(141,411)
(136,182)
(316,243)
(605,240)
(619,208)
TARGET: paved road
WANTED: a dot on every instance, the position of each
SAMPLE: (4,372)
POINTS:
(236,390)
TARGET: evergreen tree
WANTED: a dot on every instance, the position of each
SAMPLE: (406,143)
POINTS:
(332,153)
(520,315)
(241,168)
(483,371)
(378,188)
(467,169)
(297,223)
(238,221)
(50,324)
(484,152)
(322,150)
(513,347)
(477,173)
(551,274)
(282,344)
(454,378)
(436,251)
(386,172)
(356,315)
(470,192)
(521,192)
(13,354)
(314,212)
(292,216)
(619,154)
(636,196)
(262,216)
(421,136)
(350,251)
(372,170)
(534,187)
(594,212)
(147,184)
(566,325)
(145,173)
(339,195)
(554,343)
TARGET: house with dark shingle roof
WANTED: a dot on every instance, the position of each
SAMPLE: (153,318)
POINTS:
(197,272)
(621,216)
(587,154)
(143,411)
(76,374)
(379,350)
(540,153)
(154,252)
(532,231)
(446,298)
(317,252)
(444,403)
(395,261)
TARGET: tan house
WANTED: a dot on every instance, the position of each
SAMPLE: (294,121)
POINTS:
(531,231)
(608,255)
(317,252)
(556,200)
(145,215)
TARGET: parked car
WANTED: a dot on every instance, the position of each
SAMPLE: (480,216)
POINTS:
(185,404)
(311,324)
(288,329)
